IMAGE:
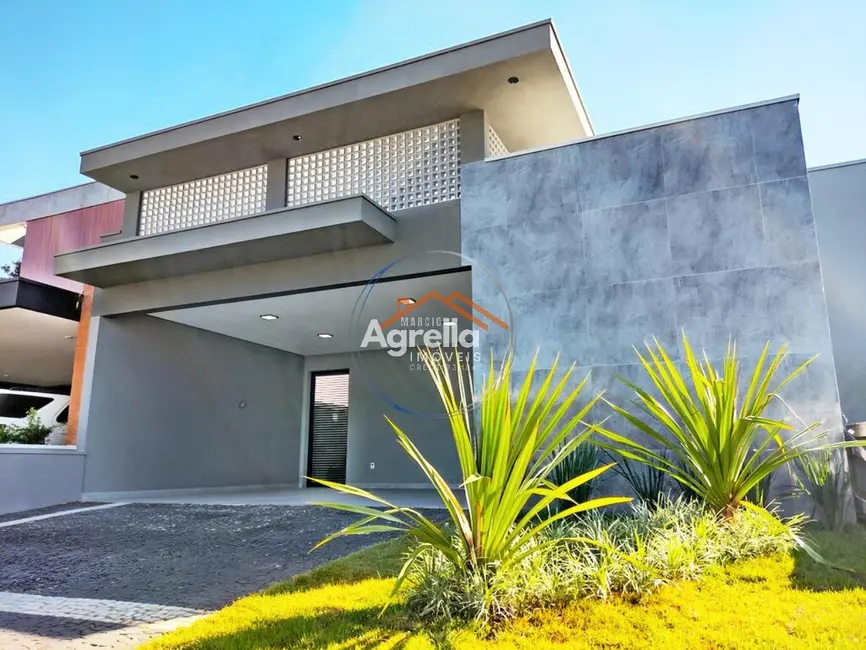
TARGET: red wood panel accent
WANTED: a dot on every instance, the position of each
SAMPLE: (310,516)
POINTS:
(64,232)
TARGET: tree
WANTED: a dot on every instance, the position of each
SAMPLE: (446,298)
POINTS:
(12,270)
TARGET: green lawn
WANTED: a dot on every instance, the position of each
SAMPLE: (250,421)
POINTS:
(780,602)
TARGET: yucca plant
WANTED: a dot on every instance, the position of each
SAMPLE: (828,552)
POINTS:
(647,482)
(718,440)
(507,455)
(582,459)
(823,477)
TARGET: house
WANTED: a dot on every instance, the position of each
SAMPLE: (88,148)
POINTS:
(236,332)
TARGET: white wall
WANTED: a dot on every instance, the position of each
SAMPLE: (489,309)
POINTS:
(38,476)
(839,204)
(165,410)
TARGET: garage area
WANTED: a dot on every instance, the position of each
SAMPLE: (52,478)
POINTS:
(255,394)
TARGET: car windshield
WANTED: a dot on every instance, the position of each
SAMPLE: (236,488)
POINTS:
(13,405)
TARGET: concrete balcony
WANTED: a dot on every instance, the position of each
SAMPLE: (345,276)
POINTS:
(286,233)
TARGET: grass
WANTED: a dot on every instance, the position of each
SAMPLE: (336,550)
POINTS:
(781,602)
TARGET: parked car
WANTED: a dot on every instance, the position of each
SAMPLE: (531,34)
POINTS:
(53,410)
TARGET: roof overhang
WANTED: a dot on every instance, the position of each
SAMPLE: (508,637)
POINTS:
(22,293)
(287,233)
(543,109)
(36,349)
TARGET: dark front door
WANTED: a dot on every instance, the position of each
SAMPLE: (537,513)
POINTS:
(329,426)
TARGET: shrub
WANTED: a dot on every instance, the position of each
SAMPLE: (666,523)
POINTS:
(676,540)
(823,477)
(720,441)
(507,457)
(32,432)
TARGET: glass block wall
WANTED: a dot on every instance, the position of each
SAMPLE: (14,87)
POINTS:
(204,201)
(398,171)
(495,146)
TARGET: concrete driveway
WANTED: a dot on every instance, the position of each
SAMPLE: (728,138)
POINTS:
(112,577)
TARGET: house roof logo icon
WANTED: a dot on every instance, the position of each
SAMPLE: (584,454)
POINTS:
(455,301)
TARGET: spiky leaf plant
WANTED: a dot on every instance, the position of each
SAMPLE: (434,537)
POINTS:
(582,459)
(823,477)
(647,482)
(711,434)
(506,455)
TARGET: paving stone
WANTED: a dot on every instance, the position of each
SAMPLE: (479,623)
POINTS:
(114,578)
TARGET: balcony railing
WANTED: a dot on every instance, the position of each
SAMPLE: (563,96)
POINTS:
(208,200)
(399,171)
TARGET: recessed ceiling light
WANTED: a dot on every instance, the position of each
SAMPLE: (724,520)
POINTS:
(134,177)
(325,335)
(269,317)
(513,80)
(405,301)
(297,138)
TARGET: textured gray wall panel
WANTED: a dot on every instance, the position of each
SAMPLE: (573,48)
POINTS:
(704,225)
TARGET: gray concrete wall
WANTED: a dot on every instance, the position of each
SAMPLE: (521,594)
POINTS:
(703,225)
(433,227)
(371,438)
(164,409)
(35,477)
(839,202)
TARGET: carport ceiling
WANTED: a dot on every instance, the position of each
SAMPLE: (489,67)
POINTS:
(302,316)
(36,349)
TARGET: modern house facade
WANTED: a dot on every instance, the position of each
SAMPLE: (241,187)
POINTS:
(231,313)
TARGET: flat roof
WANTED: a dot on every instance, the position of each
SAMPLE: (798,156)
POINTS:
(56,202)
(543,109)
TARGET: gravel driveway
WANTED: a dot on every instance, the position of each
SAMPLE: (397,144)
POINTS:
(71,576)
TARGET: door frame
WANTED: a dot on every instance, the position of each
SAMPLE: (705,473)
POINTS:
(311,403)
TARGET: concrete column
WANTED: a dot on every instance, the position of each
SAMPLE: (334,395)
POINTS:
(277,177)
(131,210)
(473,137)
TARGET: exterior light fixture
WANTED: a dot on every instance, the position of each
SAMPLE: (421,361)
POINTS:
(405,301)
(297,138)
(68,337)
(513,80)
(134,177)
(269,317)
(325,335)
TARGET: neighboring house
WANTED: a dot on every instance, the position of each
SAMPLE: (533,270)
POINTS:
(221,348)
(43,317)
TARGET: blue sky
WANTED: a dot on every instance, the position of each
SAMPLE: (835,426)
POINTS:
(76,75)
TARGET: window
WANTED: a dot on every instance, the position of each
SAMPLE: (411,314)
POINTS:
(63,416)
(13,405)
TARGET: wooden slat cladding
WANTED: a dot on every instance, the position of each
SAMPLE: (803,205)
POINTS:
(65,232)
(329,426)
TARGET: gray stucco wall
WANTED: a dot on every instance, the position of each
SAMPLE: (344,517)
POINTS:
(839,201)
(703,225)
(371,438)
(35,477)
(164,409)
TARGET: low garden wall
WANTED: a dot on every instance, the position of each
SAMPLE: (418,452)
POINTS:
(35,476)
